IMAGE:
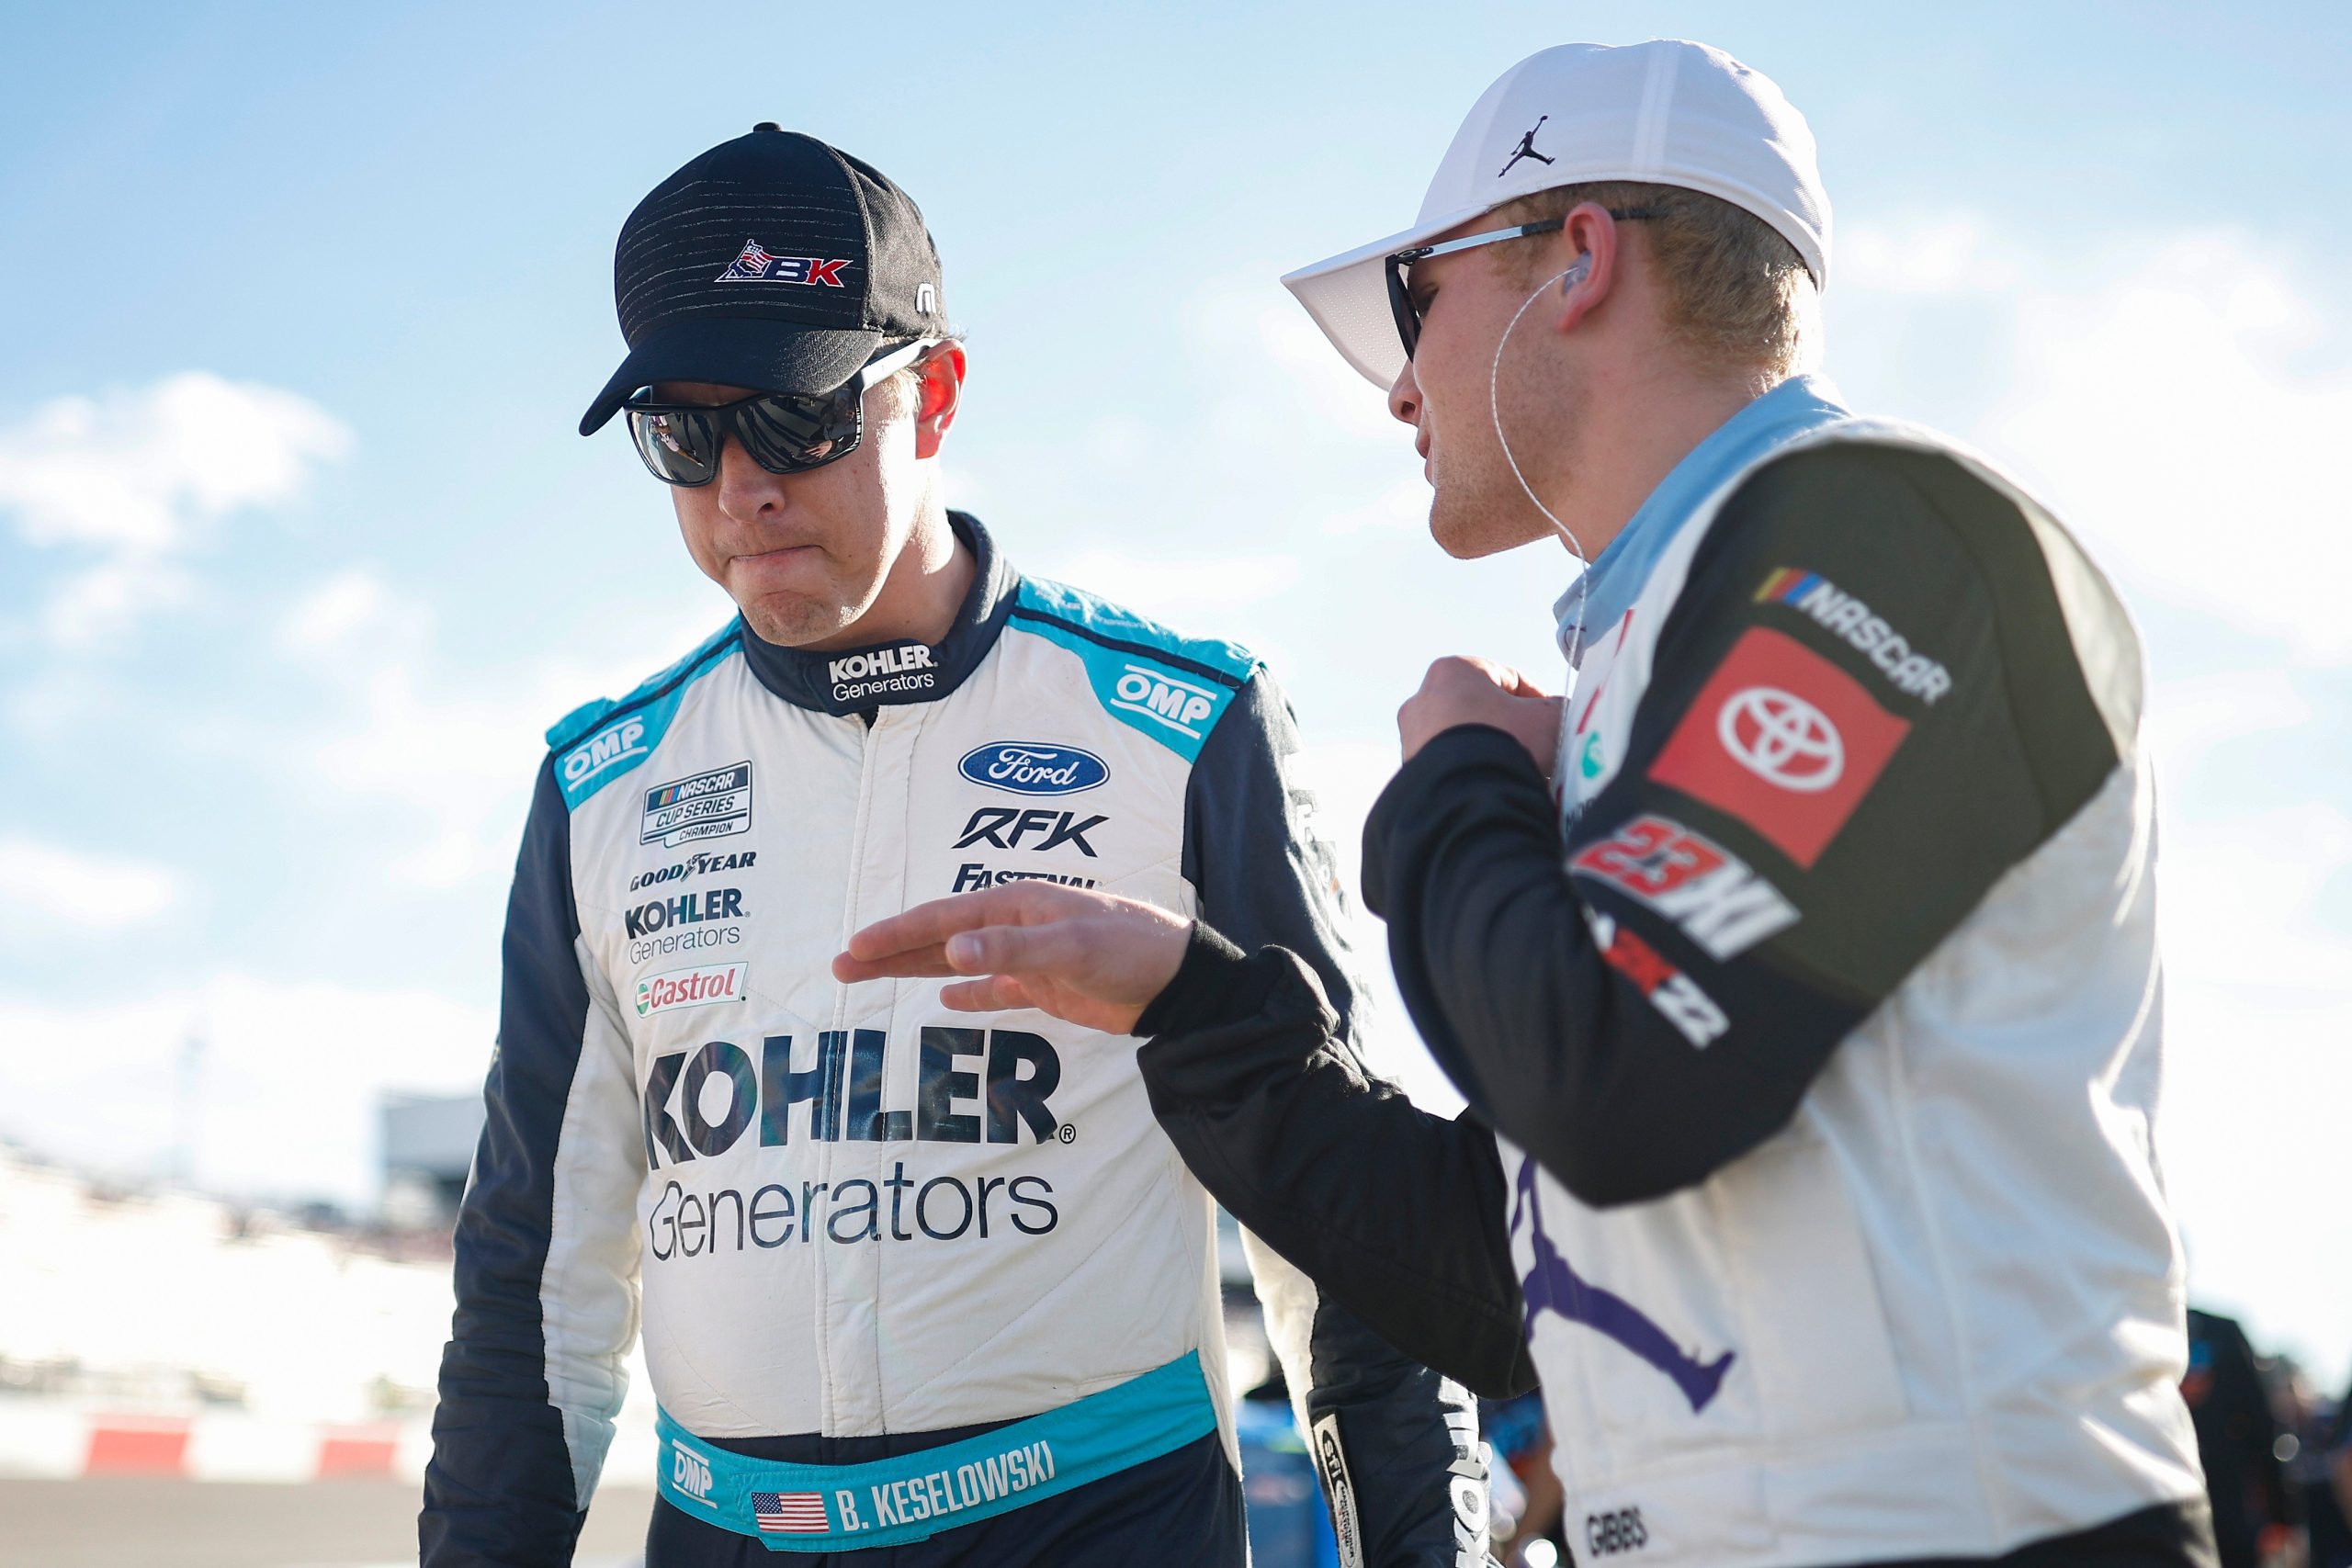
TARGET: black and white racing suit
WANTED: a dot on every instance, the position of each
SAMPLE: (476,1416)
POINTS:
(1810,1034)
(862,1225)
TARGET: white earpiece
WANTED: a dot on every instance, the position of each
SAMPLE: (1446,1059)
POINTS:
(1577,271)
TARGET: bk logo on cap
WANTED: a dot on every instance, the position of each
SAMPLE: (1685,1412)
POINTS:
(753,265)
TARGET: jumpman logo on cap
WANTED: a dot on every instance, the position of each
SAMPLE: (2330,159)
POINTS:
(1551,1286)
(1526,149)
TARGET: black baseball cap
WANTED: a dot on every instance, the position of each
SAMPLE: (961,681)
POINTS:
(772,262)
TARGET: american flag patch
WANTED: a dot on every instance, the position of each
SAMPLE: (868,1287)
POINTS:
(790,1513)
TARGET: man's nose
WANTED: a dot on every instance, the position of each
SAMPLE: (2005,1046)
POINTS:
(1405,396)
(747,492)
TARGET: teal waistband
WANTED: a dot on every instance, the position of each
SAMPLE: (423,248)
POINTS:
(891,1502)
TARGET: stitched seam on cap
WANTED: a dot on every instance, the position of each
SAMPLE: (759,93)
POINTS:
(865,216)
(1658,100)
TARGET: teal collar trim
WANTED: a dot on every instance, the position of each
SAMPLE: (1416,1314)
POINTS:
(911,1497)
(1800,404)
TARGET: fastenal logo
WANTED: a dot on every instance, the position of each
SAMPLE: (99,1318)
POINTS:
(1782,739)
(617,743)
(1027,769)
(691,988)
(1163,699)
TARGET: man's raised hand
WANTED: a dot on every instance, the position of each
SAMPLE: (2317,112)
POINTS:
(1086,957)
(1469,690)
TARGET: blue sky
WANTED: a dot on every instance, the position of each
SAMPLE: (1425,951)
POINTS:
(298,550)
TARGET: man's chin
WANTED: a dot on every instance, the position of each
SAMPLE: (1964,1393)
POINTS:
(1471,529)
(789,620)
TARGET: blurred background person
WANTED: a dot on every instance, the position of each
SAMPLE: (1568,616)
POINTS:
(2257,1515)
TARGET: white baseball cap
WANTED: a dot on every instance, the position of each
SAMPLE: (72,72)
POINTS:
(1665,112)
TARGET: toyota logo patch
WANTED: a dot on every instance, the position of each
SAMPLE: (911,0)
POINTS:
(1782,739)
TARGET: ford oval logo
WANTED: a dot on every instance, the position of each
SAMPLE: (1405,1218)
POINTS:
(1029,769)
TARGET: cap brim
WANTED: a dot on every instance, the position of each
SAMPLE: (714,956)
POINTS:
(737,350)
(1348,297)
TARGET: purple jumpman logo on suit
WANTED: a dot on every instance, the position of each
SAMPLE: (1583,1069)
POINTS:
(1553,1286)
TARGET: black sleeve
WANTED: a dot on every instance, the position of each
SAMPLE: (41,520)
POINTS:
(1390,1435)
(1863,710)
(1395,1212)
(1254,848)
(514,1461)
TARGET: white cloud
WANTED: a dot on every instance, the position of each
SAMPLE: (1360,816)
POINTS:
(1156,587)
(287,1078)
(91,893)
(2170,417)
(90,606)
(1403,507)
(2258,1014)
(2163,393)
(135,470)
(136,477)
(457,754)
(2189,718)
(344,607)
(1951,252)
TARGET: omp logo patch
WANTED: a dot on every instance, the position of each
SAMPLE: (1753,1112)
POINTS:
(1163,698)
(690,1473)
(614,743)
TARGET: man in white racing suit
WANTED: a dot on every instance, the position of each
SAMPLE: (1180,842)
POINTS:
(917,1287)
(1800,971)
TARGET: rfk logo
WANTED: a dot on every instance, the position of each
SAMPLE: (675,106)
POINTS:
(1006,827)
(754,265)
(1696,882)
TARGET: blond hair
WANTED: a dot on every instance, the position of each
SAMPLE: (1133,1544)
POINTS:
(1737,294)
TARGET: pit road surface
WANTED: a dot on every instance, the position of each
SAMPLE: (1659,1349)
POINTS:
(127,1522)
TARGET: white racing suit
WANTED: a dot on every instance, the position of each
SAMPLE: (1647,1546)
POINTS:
(1811,1034)
(862,1225)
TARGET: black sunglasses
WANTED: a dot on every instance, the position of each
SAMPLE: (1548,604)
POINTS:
(784,433)
(1400,264)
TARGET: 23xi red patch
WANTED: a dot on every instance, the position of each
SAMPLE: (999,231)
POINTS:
(1782,739)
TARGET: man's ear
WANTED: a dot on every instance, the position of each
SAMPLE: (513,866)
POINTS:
(1590,236)
(939,392)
